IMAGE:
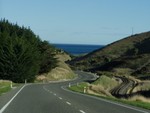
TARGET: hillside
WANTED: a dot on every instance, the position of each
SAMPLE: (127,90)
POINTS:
(130,55)
(23,55)
(61,72)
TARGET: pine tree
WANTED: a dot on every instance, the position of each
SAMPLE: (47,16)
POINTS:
(22,54)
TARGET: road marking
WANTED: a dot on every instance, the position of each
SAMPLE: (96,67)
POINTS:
(45,89)
(60,98)
(68,103)
(82,111)
(111,102)
(54,94)
(48,90)
(6,105)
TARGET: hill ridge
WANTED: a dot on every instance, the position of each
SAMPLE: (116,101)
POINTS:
(131,52)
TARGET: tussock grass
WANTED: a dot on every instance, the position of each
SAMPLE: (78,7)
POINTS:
(103,85)
(106,82)
(61,72)
(143,86)
(98,90)
(139,98)
(91,89)
(122,71)
(135,101)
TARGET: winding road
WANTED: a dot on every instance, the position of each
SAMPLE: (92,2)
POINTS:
(123,88)
(56,98)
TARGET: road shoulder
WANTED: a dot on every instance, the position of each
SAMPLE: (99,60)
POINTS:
(5,98)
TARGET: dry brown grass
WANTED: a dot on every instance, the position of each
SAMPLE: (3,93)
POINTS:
(122,71)
(102,86)
(1,81)
(93,93)
(143,86)
(98,90)
(61,72)
(139,98)
(106,82)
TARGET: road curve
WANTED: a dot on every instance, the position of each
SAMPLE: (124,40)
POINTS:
(55,98)
(121,90)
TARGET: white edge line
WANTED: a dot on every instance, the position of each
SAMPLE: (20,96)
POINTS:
(81,111)
(60,98)
(6,105)
(68,103)
(125,106)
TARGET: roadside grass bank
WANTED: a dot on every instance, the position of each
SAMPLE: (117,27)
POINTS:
(60,73)
(84,89)
(6,86)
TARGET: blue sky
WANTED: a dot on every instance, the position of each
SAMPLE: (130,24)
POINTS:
(79,21)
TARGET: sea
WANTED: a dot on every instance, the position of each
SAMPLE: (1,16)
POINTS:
(78,49)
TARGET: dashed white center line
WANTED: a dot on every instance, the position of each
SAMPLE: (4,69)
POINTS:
(54,94)
(68,103)
(60,98)
(81,111)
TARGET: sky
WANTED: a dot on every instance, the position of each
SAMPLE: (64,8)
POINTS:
(98,22)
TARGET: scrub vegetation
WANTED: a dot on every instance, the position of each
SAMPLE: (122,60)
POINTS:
(123,68)
(130,55)
(138,101)
(61,72)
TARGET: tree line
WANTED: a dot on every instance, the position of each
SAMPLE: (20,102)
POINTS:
(23,55)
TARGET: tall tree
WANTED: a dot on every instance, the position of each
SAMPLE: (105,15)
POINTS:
(22,54)
(48,61)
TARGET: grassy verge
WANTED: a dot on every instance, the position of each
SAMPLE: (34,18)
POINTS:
(5,86)
(80,89)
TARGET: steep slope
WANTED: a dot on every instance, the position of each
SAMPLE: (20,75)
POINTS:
(61,72)
(132,53)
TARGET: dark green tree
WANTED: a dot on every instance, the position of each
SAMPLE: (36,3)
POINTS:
(48,61)
(22,54)
(19,60)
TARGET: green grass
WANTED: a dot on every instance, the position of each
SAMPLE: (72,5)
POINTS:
(81,86)
(137,103)
(5,86)
(106,82)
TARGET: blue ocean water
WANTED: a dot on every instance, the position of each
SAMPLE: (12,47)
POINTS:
(77,49)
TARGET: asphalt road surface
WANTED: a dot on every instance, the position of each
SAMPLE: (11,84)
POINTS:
(122,89)
(55,98)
